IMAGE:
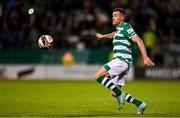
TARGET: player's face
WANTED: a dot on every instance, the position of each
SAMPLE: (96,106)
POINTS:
(117,18)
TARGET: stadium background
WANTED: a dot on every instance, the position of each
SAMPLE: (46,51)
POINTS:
(76,54)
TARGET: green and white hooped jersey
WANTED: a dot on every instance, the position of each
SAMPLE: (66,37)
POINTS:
(121,42)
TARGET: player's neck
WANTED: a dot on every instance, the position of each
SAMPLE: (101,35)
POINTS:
(122,22)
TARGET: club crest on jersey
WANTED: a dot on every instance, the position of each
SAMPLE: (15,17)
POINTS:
(130,31)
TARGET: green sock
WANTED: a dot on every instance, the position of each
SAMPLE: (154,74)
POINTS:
(130,99)
(110,85)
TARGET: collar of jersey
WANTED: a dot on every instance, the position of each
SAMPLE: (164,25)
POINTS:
(121,24)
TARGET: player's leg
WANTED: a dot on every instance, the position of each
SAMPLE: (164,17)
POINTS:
(103,77)
(115,81)
(120,82)
(129,98)
(141,106)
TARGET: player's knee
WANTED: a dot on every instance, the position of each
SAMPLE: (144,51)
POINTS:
(107,75)
(97,75)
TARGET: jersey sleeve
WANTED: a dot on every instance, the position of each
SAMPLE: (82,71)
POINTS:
(129,31)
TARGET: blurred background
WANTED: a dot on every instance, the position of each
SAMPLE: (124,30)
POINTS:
(76,52)
(77,55)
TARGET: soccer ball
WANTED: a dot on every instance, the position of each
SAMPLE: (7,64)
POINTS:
(45,41)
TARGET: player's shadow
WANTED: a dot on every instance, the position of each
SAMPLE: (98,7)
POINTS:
(115,114)
(99,114)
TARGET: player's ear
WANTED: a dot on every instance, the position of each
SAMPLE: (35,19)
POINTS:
(122,17)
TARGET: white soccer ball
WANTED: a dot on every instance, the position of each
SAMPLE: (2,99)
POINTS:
(45,39)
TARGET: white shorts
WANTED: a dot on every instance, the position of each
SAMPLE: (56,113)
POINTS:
(117,70)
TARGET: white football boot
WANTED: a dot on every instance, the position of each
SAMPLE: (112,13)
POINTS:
(121,100)
(141,108)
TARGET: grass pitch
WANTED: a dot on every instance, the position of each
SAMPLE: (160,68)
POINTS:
(85,99)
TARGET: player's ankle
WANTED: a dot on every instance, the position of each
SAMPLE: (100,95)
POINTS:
(114,95)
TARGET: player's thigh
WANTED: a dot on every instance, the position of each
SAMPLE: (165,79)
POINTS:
(118,81)
(101,72)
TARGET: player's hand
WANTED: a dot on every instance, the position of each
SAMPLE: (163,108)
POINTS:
(148,62)
(99,36)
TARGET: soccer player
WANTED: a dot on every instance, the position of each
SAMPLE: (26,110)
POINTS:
(112,75)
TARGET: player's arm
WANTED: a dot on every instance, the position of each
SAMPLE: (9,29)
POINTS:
(108,36)
(138,40)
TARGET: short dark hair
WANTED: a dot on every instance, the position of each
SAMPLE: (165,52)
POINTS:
(121,10)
